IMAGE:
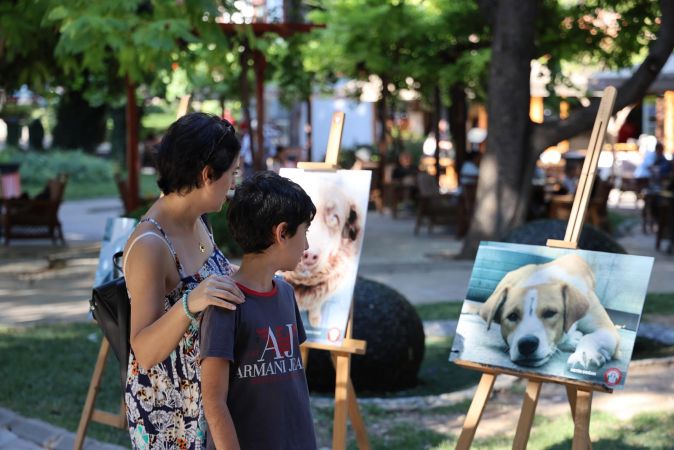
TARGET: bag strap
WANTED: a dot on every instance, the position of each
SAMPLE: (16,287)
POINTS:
(116,265)
(147,233)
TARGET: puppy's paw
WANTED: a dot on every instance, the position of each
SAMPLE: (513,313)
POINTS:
(570,341)
(586,359)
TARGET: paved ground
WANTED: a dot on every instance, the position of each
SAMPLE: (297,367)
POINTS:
(40,283)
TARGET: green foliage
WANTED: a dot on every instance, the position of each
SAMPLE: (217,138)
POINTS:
(38,167)
(27,46)
(407,44)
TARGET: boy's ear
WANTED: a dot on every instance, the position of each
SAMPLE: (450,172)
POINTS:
(280,232)
(205,175)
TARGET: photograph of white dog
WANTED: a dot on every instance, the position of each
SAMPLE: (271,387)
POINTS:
(325,278)
(562,313)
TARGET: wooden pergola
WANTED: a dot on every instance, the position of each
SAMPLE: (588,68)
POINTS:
(283,30)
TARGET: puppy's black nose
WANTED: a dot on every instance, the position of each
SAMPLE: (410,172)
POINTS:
(527,345)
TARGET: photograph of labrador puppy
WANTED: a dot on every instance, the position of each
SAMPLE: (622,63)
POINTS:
(545,308)
(334,239)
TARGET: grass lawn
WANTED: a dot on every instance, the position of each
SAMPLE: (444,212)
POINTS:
(648,431)
(46,370)
(45,373)
(440,310)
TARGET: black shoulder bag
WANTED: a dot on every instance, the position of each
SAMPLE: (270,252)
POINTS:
(111,307)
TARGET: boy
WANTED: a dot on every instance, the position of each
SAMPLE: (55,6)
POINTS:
(254,388)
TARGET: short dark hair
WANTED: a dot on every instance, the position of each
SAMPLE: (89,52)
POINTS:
(263,201)
(191,143)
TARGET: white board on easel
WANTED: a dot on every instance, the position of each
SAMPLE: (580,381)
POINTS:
(325,279)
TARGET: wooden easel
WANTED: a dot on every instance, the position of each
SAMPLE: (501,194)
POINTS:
(346,403)
(89,414)
(579,393)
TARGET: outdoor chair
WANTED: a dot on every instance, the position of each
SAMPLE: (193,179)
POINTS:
(597,211)
(32,218)
(433,206)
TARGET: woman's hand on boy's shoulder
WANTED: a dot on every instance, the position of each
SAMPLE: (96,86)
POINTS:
(216,290)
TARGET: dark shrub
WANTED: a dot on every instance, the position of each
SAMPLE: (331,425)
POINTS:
(395,343)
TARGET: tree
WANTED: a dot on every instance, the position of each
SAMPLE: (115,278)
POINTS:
(514,142)
(434,47)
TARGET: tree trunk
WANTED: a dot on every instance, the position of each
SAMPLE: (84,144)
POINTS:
(382,143)
(436,130)
(458,116)
(245,99)
(505,170)
(496,211)
(308,130)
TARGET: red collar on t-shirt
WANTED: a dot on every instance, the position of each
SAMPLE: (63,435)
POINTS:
(249,291)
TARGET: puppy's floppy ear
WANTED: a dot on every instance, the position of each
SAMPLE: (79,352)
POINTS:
(351,224)
(490,311)
(575,305)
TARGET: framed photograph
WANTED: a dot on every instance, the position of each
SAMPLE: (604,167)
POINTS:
(325,278)
(117,231)
(553,313)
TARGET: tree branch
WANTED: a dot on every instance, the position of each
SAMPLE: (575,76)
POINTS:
(633,90)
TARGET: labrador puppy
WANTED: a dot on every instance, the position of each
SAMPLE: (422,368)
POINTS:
(545,307)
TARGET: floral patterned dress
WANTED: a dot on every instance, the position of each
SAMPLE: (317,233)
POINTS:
(163,403)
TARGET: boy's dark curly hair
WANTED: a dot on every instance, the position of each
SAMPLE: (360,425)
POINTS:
(191,143)
(263,201)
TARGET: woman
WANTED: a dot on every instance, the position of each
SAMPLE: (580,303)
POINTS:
(173,271)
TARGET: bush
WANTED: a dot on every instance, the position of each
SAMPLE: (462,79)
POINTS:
(395,343)
(538,232)
(36,168)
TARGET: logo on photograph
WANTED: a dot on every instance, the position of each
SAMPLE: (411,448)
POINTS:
(333,334)
(613,376)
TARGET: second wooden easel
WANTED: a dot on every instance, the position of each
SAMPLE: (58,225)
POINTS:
(346,403)
(579,393)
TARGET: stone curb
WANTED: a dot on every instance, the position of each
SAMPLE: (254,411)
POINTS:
(18,433)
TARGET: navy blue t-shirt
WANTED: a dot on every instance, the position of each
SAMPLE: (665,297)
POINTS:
(268,396)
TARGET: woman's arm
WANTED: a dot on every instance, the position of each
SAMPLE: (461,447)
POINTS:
(214,387)
(155,333)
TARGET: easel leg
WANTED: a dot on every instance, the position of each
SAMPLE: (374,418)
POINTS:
(571,395)
(475,411)
(94,386)
(527,415)
(581,420)
(342,369)
(354,414)
(305,356)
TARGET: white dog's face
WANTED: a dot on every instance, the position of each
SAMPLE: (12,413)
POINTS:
(334,237)
(534,319)
(335,225)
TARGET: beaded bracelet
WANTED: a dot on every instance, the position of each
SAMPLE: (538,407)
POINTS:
(186,308)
